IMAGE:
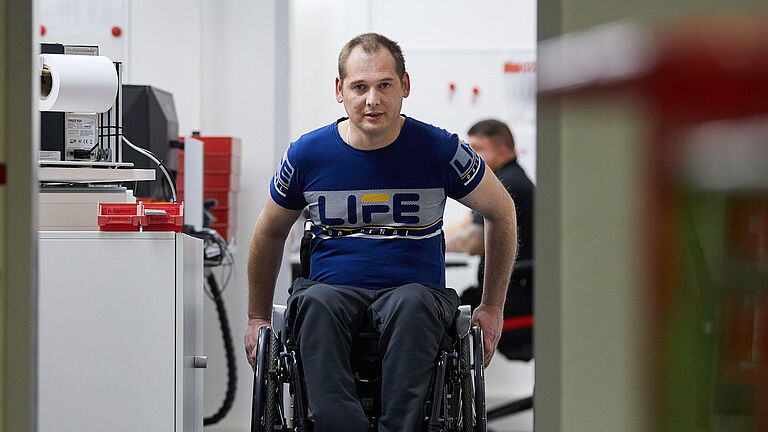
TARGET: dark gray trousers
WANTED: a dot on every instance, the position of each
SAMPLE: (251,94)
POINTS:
(411,320)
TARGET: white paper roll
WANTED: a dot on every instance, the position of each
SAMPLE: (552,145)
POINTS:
(79,83)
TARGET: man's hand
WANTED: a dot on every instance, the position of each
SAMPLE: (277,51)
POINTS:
(252,337)
(490,319)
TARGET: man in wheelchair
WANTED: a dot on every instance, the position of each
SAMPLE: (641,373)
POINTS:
(375,184)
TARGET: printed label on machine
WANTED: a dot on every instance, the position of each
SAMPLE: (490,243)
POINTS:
(81,134)
(50,155)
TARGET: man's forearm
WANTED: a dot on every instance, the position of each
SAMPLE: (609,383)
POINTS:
(500,254)
(264,259)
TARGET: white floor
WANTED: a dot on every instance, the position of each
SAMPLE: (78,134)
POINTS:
(506,381)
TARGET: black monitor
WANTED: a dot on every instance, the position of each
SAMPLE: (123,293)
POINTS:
(149,121)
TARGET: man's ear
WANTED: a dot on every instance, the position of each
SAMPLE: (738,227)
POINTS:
(339,97)
(406,85)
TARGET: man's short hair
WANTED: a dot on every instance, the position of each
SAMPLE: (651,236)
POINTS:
(493,128)
(370,43)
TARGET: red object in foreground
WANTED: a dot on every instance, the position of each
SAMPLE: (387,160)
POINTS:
(135,216)
(116,31)
(163,216)
(120,217)
(518,322)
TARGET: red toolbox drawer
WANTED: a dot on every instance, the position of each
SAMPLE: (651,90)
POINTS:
(216,163)
(225,215)
(214,181)
(223,197)
(219,145)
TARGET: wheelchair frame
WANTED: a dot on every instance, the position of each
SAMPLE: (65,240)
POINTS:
(457,396)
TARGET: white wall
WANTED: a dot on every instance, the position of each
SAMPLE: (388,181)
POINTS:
(318,31)
(86,23)
(164,43)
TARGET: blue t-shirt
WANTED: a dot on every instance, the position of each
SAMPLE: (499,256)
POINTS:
(378,214)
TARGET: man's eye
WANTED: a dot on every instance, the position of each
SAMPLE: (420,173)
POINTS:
(386,85)
(359,87)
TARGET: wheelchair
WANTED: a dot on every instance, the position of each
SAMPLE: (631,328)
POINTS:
(456,400)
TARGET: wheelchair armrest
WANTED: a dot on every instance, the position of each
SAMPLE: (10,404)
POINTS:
(463,321)
(278,320)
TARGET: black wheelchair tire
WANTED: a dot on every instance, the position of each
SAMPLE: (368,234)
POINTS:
(263,404)
(272,399)
(481,419)
(467,392)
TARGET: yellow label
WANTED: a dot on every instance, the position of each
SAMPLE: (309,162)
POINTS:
(374,198)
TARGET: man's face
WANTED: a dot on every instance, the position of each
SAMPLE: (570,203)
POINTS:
(372,92)
(489,149)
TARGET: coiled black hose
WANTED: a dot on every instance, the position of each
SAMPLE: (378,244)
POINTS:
(229,398)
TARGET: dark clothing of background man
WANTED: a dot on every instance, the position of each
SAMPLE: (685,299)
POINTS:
(515,344)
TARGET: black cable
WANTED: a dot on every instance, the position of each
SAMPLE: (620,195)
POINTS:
(229,398)
(169,176)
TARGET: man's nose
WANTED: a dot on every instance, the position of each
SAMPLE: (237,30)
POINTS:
(372,98)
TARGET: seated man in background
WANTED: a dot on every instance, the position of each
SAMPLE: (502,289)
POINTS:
(375,184)
(493,141)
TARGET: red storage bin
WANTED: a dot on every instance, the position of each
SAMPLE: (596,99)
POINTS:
(224,198)
(214,181)
(219,145)
(169,217)
(215,163)
(120,216)
(224,215)
(221,179)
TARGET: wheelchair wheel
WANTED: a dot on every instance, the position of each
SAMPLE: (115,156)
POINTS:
(467,392)
(481,424)
(265,387)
